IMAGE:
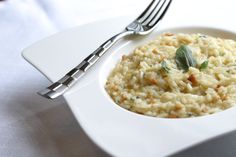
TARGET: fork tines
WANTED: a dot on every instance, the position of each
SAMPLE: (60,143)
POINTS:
(154,12)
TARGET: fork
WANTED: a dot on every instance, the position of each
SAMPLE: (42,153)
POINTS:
(143,25)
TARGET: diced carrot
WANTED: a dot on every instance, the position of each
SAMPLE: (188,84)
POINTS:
(193,79)
(153,81)
(155,51)
(178,107)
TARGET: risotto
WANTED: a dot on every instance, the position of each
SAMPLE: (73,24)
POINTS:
(176,76)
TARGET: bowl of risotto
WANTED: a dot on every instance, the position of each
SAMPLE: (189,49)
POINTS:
(176,75)
(148,96)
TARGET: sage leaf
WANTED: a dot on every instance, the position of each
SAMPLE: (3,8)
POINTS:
(203,65)
(184,58)
(164,66)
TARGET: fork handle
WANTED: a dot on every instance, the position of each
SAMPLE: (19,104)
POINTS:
(61,86)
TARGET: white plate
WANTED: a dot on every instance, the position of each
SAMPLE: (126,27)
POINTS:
(116,130)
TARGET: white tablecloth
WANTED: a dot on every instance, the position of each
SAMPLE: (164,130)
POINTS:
(31,126)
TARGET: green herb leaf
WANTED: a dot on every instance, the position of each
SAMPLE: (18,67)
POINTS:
(203,65)
(165,67)
(184,58)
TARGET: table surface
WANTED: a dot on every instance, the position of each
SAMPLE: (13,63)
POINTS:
(32,126)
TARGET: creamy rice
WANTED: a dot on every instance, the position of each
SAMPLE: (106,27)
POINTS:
(140,84)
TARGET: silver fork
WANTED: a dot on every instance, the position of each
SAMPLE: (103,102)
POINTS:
(143,25)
